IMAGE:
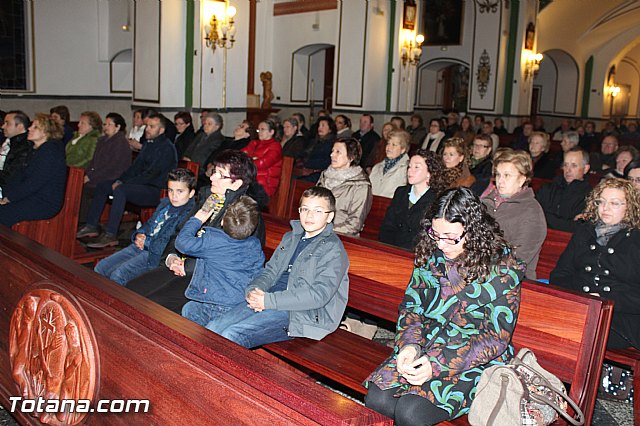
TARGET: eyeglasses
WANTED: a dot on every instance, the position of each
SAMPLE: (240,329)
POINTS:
(218,175)
(451,241)
(307,210)
(614,204)
(634,179)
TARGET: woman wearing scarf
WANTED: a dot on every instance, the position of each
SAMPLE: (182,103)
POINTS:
(391,173)
(513,204)
(350,185)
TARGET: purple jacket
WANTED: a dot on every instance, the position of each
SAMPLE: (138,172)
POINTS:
(111,158)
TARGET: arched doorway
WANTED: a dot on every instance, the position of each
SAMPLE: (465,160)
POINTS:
(312,76)
(443,84)
(556,84)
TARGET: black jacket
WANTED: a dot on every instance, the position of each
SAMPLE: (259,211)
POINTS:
(482,172)
(19,152)
(562,201)
(611,271)
(401,223)
(545,167)
(184,139)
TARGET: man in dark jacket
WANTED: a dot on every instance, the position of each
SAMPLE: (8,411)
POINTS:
(481,165)
(140,184)
(564,198)
(367,137)
(16,148)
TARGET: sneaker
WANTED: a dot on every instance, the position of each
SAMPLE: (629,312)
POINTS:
(88,231)
(105,240)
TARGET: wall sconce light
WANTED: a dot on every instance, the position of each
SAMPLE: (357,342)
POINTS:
(411,49)
(614,90)
(532,63)
(221,30)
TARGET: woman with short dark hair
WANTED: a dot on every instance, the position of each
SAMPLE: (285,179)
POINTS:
(350,185)
(186,133)
(456,319)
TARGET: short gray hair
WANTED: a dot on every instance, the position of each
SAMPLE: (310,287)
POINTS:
(572,137)
(217,118)
(585,154)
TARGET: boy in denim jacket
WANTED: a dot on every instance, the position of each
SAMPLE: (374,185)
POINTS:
(150,240)
(227,259)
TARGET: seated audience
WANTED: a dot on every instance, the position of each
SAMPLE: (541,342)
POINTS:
(60,114)
(631,136)
(350,186)
(498,127)
(538,125)
(367,138)
(379,152)
(266,154)
(623,156)
(37,192)
(398,122)
(417,131)
(481,164)
(478,121)
(560,132)
(451,125)
(136,134)
(227,259)
(244,133)
(206,143)
(570,140)
(610,128)
(411,202)
(605,160)
(319,157)
(632,173)
(293,142)
(466,132)
(487,129)
(521,142)
(434,137)
(391,173)
(590,141)
(80,149)
(150,240)
(455,159)
(297,294)
(186,132)
(603,257)
(234,175)
(303,128)
(456,319)
(16,148)
(110,159)
(343,124)
(563,199)
(544,165)
(140,184)
(513,205)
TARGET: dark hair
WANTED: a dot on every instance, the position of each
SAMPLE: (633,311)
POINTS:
(253,132)
(485,138)
(370,117)
(241,218)
(419,117)
(94,119)
(272,125)
(240,165)
(484,244)
(118,120)
(62,111)
(635,164)
(436,169)
(354,149)
(20,118)
(436,120)
(320,192)
(332,124)
(632,150)
(300,118)
(347,120)
(400,119)
(161,118)
(184,116)
(183,175)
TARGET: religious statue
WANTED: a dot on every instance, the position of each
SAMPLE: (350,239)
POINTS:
(267,93)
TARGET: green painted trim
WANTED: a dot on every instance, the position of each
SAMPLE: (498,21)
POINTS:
(511,56)
(188,56)
(586,89)
(392,48)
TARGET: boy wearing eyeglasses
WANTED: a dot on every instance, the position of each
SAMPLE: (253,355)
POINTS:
(303,289)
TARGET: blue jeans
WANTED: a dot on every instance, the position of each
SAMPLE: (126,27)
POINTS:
(203,313)
(124,265)
(250,329)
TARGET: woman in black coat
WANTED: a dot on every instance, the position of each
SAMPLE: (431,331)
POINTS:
(603,257)
(38,191)
(401,223)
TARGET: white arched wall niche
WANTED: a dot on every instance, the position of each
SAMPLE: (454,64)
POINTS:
(430,84)
(121,72)
(307,73)
(558,80)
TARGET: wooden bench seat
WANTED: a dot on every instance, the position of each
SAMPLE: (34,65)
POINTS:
(572,349)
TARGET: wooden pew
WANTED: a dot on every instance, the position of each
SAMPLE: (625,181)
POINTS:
(143,351)
(375,217)
(279,202)
(572,349)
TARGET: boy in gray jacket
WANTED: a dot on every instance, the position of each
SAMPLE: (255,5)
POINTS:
(303,290)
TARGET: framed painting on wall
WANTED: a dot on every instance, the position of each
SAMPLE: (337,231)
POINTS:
(409,15)
(442,22)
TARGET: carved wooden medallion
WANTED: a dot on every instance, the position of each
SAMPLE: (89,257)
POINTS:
(52,352)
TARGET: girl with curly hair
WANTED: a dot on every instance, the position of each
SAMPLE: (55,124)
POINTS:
(456,319)
(456,161)
(603,257)
(401,223)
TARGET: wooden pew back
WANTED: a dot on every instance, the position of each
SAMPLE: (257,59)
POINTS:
(567,331)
